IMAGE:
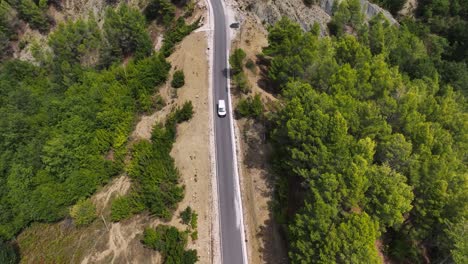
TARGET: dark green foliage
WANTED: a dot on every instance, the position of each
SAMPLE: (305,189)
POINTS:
(189,217)
(157,178)
(250,107)
(8,26)
(237,61)
(176,33)
(124,35)
(162,10)
(370,150)
(241,82)
(154,173)
(310,2)
(394,6)
(178,79)
(31,13)
(185,113)
(250,64)
(186,215)
(53,137)
(8,253)
(171,243)
(72,41)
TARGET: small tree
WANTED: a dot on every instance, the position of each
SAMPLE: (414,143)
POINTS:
(242,83)
(83,212)
(237,60)
(250,64)
(186,215)
(185,113)
(250,107)
(178,79)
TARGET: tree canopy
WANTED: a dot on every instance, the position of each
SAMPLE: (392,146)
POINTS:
(371,141)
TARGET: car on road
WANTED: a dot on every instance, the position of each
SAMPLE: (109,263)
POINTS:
(221,108)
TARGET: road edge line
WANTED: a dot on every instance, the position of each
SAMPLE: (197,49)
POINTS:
(234,138)
(215,235)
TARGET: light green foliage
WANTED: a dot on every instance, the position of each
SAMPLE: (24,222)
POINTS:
(178,79)
(124,35)
(389,196)
(171,243)
(348,13)
(250,107)
(458,233)
(83,212)
(365,148)
(194,235)
(125,206)
(194,221)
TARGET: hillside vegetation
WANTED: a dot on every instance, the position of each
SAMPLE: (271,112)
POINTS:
(370,144)
(65,118)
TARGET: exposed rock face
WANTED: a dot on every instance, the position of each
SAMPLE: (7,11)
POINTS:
(270,11)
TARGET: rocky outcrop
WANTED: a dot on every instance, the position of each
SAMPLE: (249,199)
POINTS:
(270,11)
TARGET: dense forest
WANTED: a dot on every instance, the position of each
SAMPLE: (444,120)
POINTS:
(370,139)
(66,116)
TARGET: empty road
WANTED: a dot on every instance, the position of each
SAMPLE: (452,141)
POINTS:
(232,244)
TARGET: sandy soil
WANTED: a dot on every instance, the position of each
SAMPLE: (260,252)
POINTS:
(265,244)
(191,150)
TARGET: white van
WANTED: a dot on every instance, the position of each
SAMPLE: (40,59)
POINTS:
(221,108)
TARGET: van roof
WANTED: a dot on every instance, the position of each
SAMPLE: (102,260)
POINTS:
(221,103)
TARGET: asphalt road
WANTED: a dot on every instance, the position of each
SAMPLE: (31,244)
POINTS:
(229,211)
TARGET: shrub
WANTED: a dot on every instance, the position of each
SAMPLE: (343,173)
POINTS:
(194,235)
(125,34)
(176,33)
(185,113)
(250,107)
(8,253)
(123,207)
(250,64)
(178,79)
(30,12)
(237,60)
(194,220)
(186,215)
(171,243)
(83,212)
(241,82)
(162,10)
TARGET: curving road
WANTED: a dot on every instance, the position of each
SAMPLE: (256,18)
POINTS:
(230,211)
